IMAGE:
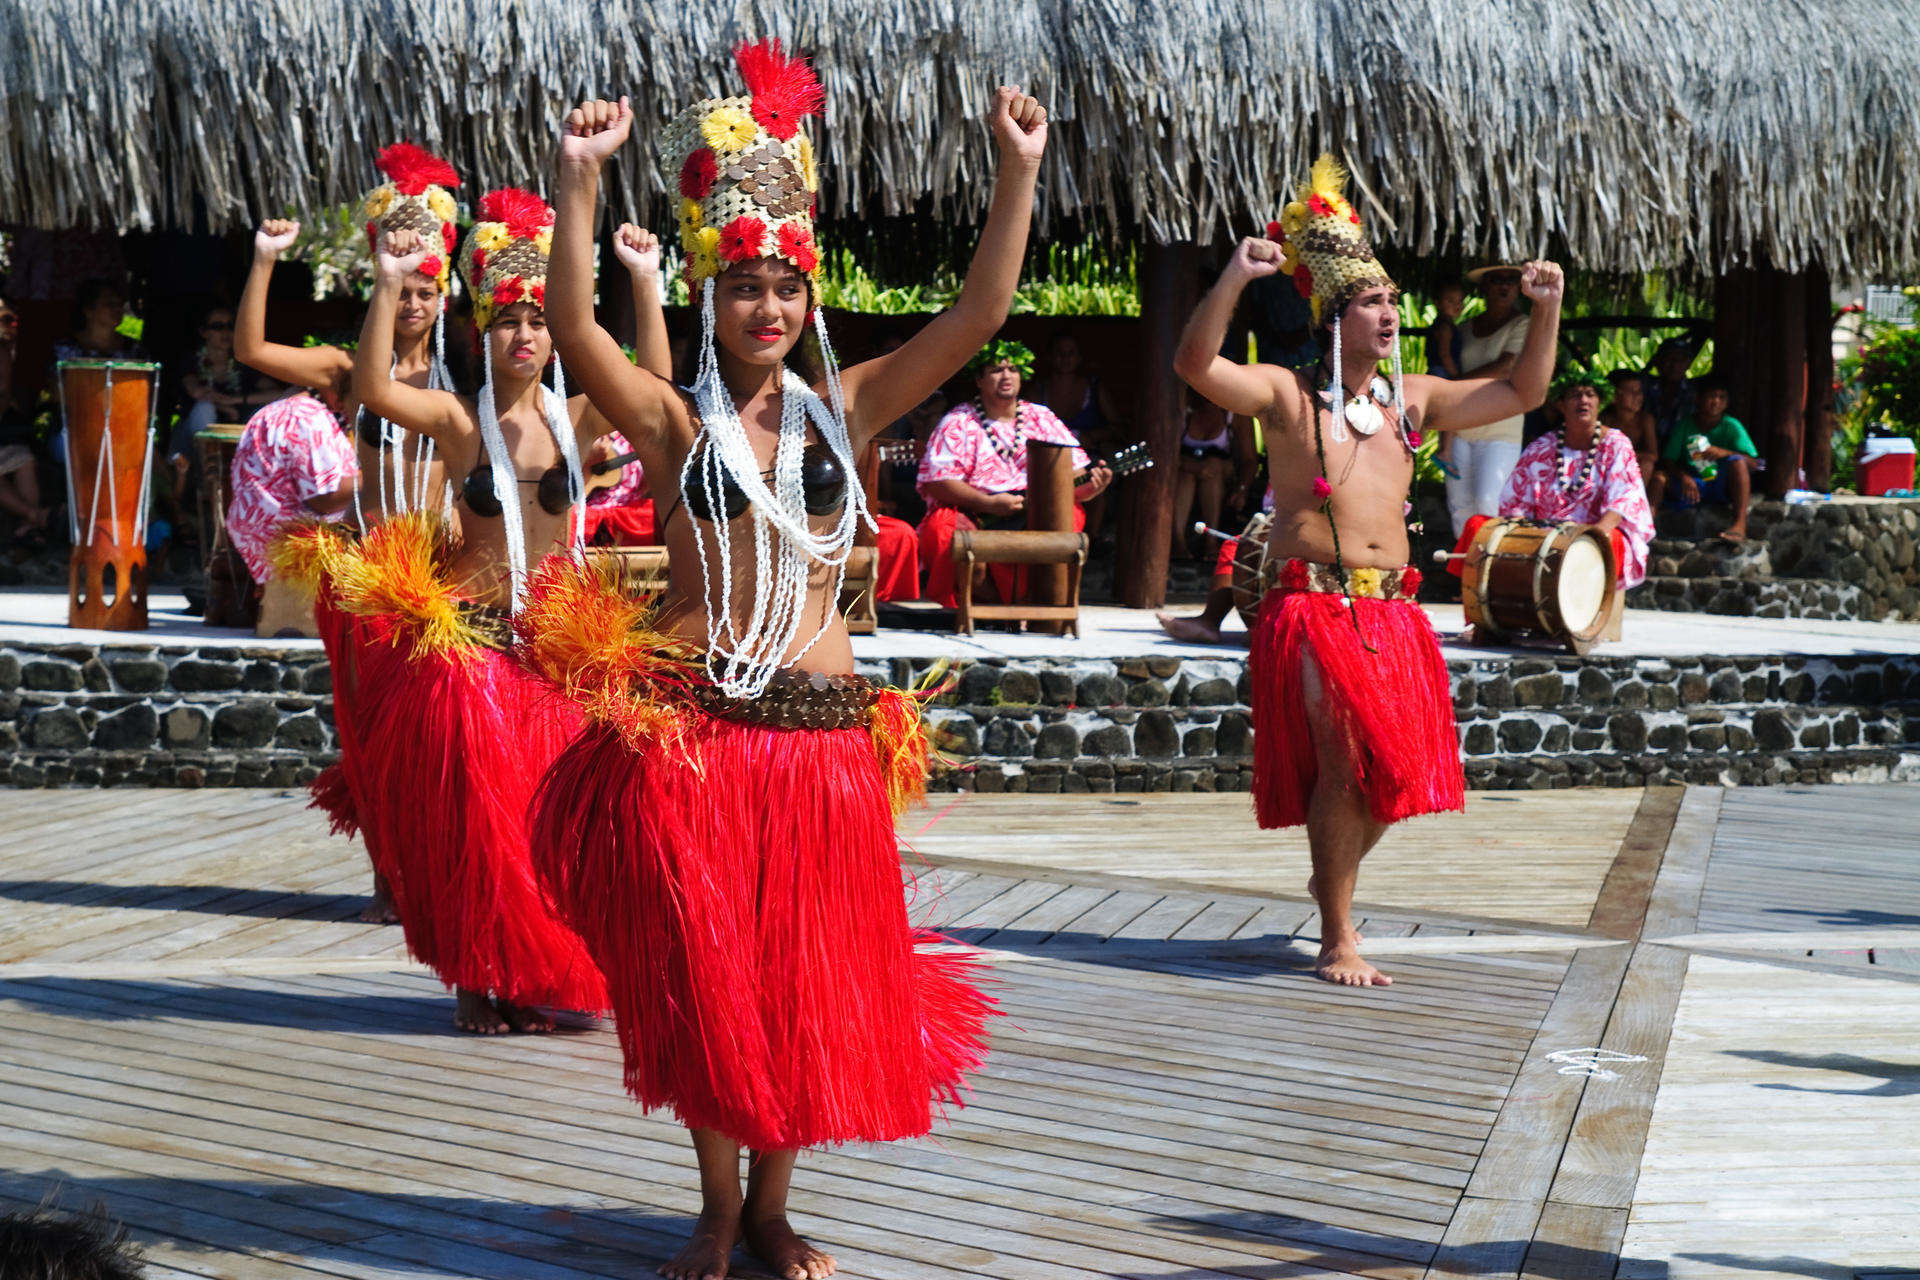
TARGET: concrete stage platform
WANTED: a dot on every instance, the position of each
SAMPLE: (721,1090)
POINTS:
(1685,698)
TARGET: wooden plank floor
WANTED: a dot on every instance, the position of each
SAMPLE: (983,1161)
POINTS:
(202,1035)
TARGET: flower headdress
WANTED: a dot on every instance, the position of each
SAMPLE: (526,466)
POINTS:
(417,196)
(1003,351)
(747,182)
(745,172)
(1322,245)
(505,258)
(503,262)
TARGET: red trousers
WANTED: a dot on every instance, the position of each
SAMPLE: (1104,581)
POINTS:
(896,573)
(936,548)
(622,526)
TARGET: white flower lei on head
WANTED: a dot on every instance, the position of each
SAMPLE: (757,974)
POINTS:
(741,660)
(506,481)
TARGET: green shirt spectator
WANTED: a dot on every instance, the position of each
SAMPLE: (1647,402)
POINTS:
(1727,433)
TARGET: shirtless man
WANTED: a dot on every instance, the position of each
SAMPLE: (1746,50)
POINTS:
(1352,707)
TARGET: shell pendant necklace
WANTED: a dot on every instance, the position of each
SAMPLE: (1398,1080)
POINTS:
(1363,412)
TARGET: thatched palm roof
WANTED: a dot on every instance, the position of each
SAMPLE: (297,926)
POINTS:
(1632,133)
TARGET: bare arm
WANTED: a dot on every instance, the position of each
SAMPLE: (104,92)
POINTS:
(639,251)
(882,389)
(1474,402)
(958,493)
(637,401)
(327,504)
(317,367)
(1251,391)
(435,414)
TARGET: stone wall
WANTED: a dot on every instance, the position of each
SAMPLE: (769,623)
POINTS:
(264,717)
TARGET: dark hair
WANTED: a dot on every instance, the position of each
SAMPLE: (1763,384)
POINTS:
(1619,376)
(1712,382)
(1449,282)
(206,313)
(47,1245)
(87,296)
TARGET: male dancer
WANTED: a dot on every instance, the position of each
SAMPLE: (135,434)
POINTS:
(1354,725)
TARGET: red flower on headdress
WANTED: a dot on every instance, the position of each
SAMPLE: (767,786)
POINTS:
(373,236)
(479,259)
(743,238)
(414,169)
(784,90)
(1275,231)
(1321,489)
(1303,280)
(797,246)
(525,214)
(448,235)
(508,292)
(1293,575)
(1353,216)
(1319,205)
(540,296)
(430,267)
(698,174)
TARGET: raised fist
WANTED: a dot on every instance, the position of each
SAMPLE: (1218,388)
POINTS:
(275,237)
(401,253)
(1019,124)
(1256,256)
(1542,282)
(638,250)
(595,130)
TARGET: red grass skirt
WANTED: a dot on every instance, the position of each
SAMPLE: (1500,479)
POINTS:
(1393,709)
(741,889)
(445,752)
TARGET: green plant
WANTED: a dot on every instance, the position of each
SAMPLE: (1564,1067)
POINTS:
(1878,390)
(333,244)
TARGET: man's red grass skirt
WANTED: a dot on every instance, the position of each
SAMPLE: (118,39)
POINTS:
(740,885)
(1392,709)
(443,745)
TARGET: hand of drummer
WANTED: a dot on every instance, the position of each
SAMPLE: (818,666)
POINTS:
(638,250)
(401,253)
(275,237)
(595,130)
(1019,125)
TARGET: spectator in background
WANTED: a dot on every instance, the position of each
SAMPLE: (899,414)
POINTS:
(1216,451)
(1490,343)
(1628,415)
(1075,394)
(19,456)
(1708,457)
(1444,339)
(1669,395)
(294,462)
(217,388)
(99,309)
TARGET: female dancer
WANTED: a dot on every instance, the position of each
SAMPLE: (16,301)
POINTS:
(451,736)
(722,832)
(418,194)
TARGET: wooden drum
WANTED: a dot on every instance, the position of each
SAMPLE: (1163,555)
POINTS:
(1251,580)
(1557,579)
(107,407)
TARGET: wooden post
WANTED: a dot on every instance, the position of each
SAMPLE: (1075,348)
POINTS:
(1760,347)
(1049,509)
(1818,448)
(1169,287)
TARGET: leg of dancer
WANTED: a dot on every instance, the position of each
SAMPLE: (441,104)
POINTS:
(728,712)
(1353,719)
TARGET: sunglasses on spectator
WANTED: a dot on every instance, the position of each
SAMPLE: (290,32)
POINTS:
(218,326)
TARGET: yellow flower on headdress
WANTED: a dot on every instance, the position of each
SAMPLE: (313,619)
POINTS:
(1289,257)
(379,201)
(1293,218)
(442,204)
(691,219)
(543,241)
(490,236)
(703,265)
(729,130)
(808,170)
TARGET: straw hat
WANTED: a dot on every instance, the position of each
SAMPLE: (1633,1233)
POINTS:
(1478,274)
(1322,245)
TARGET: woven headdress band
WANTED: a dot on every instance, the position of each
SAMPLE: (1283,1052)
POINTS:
(417,196)
(745,172)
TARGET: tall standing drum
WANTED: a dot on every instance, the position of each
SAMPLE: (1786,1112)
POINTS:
(107,407)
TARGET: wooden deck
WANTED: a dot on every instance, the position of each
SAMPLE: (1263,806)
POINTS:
(200,1035)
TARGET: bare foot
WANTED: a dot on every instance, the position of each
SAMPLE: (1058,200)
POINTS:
(1191,630)
(379,911)
(785,1254)
(1313,891)
(1341,964)
(473,1012)
(1735,536)
(524,1018)
(705,1255)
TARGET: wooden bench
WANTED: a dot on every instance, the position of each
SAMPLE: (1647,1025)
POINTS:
(979,547)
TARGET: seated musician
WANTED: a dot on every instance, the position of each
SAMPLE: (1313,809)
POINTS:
(974,472)
(1585,472)
(619,504)
(294,462)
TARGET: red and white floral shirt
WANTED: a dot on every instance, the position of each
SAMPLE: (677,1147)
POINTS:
(1537,490)
(988,454)
(290,451)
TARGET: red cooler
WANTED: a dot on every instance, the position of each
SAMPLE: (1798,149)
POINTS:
(1886,464)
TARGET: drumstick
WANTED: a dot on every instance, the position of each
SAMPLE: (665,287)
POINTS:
(1201,527)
